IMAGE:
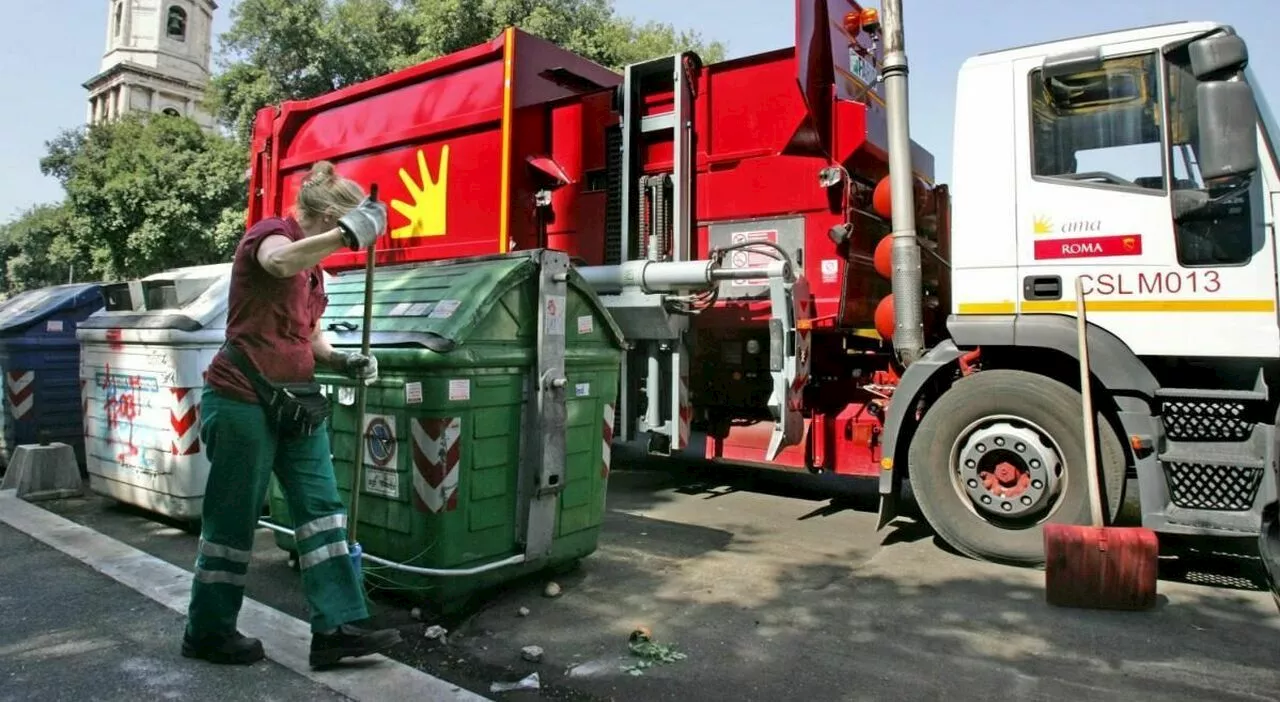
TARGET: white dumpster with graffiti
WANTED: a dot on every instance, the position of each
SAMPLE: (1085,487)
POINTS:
(143,360)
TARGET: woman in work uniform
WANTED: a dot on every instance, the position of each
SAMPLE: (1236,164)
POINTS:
(276,300)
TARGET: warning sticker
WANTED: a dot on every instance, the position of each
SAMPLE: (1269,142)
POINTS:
(555,315)
(460,390)
(586,324)
(346,396)
(445,309)
(749,258)
(582,389)
(413,393)
(830,270)
(418,309)
(380,441)
(382,481)
(54,326)
(401,309)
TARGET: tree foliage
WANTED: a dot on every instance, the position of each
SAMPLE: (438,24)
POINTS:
(295,49)
(39,248)
(143,194)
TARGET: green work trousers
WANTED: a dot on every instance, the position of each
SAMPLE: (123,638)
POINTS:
(243,451)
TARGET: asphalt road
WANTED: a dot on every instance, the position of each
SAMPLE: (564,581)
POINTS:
(70,633)
(775,592)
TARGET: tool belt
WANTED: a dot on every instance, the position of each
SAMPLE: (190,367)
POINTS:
(292,409)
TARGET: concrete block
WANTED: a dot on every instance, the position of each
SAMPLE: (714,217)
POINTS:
(43,472)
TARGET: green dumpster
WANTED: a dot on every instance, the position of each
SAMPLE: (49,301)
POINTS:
(486,435)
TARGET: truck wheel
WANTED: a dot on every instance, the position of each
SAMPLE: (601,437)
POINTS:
(999,455)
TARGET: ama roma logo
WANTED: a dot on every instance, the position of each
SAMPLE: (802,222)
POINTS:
(425,213)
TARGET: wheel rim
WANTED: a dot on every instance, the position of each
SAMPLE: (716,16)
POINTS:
(1008,469)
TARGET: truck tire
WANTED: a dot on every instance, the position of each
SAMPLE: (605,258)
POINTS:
(1000,454)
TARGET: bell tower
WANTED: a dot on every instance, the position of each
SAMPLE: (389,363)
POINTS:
(157,60)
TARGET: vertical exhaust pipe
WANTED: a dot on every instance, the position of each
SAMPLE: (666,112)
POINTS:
(908,309)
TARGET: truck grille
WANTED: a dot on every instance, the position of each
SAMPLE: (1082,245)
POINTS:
(1206,420)
(1213,487)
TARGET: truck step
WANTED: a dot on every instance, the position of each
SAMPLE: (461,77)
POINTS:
(658,123)
(1215,418)
(1213,458)
(1259,393)
(1211,394)
(1214,481)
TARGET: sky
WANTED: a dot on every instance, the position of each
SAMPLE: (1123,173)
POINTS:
(53,46)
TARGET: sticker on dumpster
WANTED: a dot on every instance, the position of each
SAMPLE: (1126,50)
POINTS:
(555,315)
(413,393)
(401,309)
(54,326)
(582,389)
(380,440)
(346,396)
(445,308)
(586,324)
(382,481)
(437,452)
(460,390)
(418,309)
(380,476)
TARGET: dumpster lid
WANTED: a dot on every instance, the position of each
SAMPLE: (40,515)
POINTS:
(34,306)
(437,305)
(185,299)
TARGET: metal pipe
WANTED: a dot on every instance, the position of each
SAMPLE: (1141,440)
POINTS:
(404,567)
(778,269)
(908,311)
(653,388)
(667,276)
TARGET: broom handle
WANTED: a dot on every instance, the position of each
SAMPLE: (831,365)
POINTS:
(357,471)
(1086,404)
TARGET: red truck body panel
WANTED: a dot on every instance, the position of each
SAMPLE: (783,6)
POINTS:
(458,147)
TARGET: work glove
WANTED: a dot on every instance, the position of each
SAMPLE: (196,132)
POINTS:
(356,366)
(364,223)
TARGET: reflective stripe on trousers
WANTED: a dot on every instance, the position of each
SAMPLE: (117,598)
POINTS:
(209,573)
(315,557)
(323,524)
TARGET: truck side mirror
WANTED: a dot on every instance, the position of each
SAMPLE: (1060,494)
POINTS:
(1228,130)
(1217,57)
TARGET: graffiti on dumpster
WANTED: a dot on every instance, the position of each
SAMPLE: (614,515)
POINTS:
(125,396)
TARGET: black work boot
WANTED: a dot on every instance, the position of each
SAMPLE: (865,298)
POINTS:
(227,649)
(349,642)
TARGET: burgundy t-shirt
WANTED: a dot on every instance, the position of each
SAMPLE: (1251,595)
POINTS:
(270,319)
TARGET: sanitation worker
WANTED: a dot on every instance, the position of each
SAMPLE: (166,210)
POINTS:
(274,340)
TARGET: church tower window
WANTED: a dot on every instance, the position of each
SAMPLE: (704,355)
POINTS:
(176,24)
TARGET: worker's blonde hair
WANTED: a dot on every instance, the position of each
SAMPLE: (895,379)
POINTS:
(324,193)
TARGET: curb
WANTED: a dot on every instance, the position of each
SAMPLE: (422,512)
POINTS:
(286,639)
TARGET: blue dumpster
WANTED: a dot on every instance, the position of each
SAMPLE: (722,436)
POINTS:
(40,365)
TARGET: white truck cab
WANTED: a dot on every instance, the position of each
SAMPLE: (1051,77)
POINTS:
(1140,162)
(1099,139)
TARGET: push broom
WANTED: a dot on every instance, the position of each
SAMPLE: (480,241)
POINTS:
(1097,566)
(357,468)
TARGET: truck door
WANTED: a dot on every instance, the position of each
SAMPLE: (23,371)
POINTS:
(1103,149)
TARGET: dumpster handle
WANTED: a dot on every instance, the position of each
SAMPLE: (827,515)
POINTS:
(415,570)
